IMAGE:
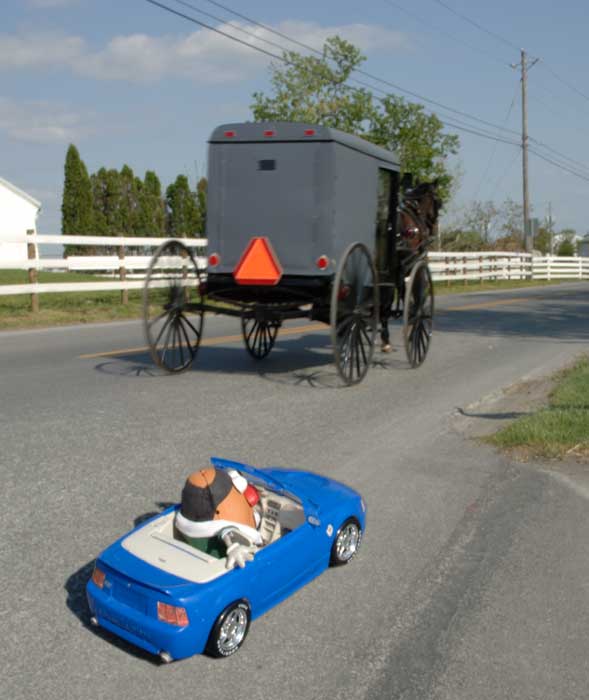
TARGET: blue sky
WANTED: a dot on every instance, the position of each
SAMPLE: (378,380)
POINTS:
(129,83)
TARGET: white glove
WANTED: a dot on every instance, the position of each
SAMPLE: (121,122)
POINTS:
(238,554)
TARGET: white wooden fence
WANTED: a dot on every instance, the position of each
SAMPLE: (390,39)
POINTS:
(129,269)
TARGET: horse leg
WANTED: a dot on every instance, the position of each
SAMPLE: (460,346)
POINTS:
(385,314)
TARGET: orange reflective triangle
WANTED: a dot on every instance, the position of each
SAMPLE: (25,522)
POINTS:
(258,264)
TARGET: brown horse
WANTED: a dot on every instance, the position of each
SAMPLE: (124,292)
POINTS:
(416,230)
(418,215)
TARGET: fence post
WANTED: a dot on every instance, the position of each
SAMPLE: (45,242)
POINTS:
(123,276)
(33,274)
(464,270)
(481,269)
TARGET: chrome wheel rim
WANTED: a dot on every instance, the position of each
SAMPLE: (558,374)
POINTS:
(232,630)
(347,542)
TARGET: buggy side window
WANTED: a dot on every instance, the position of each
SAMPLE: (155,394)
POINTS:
(386,218)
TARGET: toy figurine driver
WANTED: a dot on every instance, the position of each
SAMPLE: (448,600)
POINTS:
(218,515)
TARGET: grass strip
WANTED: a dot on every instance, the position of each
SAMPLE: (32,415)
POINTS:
(559,429)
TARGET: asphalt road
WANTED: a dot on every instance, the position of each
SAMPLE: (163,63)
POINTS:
(472,579)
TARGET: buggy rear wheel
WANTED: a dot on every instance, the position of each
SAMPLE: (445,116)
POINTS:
(418,313)
(172,318)
(259,335)
(354,313)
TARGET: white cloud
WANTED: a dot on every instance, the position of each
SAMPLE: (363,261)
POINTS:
(202,56)
(39,51)
(44,122)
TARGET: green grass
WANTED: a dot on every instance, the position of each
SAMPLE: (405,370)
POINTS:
(63,308)
(560,428)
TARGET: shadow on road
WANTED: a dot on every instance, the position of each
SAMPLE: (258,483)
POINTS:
(505,415)
(304,361)
(75,587)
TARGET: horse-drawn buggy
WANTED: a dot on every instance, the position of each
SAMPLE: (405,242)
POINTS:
(303,221)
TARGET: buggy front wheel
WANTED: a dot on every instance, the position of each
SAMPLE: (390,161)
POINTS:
(418,313)
(354,313)
(172,317)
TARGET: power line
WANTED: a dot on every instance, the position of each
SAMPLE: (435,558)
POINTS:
(439,30)
(214,29)
(492,156)
(581,176)
(503,176)
(563,81)
(512,45)
(369,75)
(362,72)
(507,42)
(230,24)
(454,123)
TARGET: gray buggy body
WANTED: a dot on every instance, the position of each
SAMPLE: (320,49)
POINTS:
(301,223)
(310,190)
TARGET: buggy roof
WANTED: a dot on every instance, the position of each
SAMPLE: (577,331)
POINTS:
(253,132)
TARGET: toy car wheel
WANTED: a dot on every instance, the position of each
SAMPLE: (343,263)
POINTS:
(230,630)
(346,542)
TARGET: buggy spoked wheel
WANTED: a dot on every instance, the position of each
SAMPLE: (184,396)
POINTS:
(418,314)
(172,320)
(259,335)
(354,313)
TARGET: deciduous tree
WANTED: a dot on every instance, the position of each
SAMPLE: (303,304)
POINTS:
(315,90)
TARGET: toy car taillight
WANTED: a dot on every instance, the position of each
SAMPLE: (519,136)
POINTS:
(98,577)
(214,259)
(172,614)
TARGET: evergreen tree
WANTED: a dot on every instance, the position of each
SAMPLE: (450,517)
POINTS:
(183,215)
(151,218)
(130,188)
(201,193)
(76,207)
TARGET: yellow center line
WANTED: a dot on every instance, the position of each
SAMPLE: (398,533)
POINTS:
(487,304)
(308,328)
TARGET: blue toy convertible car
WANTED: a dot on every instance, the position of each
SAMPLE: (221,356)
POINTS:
(171,599)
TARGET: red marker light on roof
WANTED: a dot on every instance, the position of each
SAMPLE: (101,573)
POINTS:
(309,132)
(214,259)
(230,134)
(269,133)
(322,262)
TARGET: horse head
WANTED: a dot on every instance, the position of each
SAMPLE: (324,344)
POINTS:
(421,205)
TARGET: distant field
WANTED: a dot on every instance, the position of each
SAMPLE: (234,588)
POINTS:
(63,308)
(91,307)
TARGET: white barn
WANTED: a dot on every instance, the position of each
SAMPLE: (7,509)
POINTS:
(18,214)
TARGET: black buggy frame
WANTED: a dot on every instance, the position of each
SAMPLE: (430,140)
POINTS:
(302,222)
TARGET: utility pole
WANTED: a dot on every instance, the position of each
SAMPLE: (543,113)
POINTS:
(525,66)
